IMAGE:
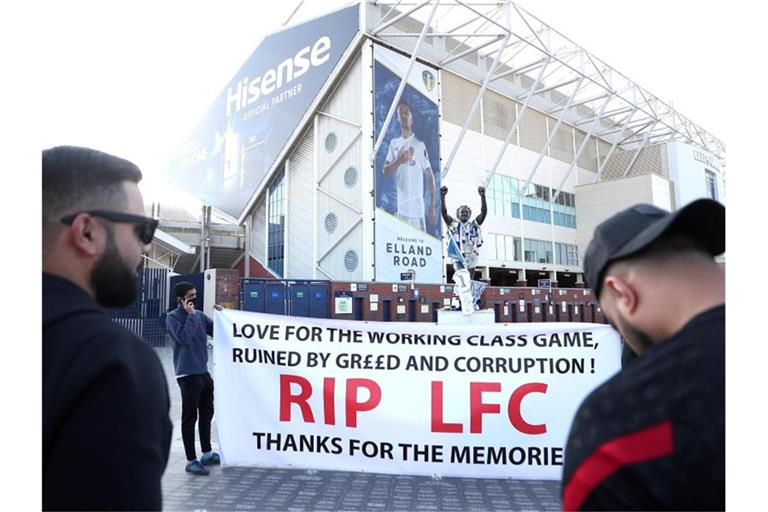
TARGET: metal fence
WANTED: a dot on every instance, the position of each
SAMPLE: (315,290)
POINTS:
(146,316)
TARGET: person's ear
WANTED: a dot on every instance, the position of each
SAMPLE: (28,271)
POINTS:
(624,295)
(83,231)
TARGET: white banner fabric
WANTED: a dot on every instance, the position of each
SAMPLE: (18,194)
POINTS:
(404,398)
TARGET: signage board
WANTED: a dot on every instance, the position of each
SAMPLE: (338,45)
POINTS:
(226,157)
(343,395)
(407,170)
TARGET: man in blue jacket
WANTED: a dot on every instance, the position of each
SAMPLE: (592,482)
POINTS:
(189,330)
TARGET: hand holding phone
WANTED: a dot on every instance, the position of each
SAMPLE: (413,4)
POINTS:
(189,307)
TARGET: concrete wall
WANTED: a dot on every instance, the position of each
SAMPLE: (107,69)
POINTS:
(598,201)
(339,194)
(318,183)
(512,304)
(300,211)
(687,168)
(255,269)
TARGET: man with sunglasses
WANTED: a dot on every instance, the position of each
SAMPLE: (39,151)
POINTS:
(106,430)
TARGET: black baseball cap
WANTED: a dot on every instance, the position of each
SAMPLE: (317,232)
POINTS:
(637,227)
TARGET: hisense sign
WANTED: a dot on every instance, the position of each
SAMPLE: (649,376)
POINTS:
(248,91)
(227,156)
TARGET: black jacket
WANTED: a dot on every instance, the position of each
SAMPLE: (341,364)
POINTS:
(106,430)
(653,436)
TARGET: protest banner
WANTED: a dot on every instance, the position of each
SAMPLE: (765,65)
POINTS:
(404,398)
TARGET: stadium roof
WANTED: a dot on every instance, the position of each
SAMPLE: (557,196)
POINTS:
(507,49)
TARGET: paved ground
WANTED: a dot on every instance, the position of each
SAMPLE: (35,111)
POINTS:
(236,488)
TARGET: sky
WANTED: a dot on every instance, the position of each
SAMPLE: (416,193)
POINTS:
(133,78)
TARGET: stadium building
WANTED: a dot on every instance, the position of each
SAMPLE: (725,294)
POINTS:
(331,143)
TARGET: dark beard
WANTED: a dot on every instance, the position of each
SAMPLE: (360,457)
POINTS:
(114,283)
(637,340)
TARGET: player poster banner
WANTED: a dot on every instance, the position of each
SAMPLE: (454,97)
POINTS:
(225,159)
(407,167)
(403,398)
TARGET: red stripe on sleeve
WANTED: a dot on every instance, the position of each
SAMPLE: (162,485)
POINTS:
(644,445)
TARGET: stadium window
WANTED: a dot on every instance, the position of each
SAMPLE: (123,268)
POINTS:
(276,231)
(497,251)
(509,248)
(536,204)
(502,247)
(564,210)
(538,251)
(490,246)
(572,255)
(567,254)
(501,196)
(711,183)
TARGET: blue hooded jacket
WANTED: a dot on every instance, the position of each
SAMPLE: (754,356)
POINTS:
(190,340)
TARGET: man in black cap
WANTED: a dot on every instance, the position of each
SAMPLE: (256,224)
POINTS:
(653,436)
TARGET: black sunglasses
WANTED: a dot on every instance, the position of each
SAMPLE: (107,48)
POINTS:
(144,226)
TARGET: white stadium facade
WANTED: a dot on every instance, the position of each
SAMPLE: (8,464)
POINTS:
(294,148)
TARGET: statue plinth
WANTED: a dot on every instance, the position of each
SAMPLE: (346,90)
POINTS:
(450,317)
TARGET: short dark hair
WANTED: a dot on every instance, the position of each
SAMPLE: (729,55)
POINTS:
(77,178)
(182,288)
(404,103)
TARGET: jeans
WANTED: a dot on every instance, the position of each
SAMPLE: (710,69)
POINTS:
(196,395)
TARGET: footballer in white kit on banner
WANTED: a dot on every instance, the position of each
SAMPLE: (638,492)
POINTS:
(407,172)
